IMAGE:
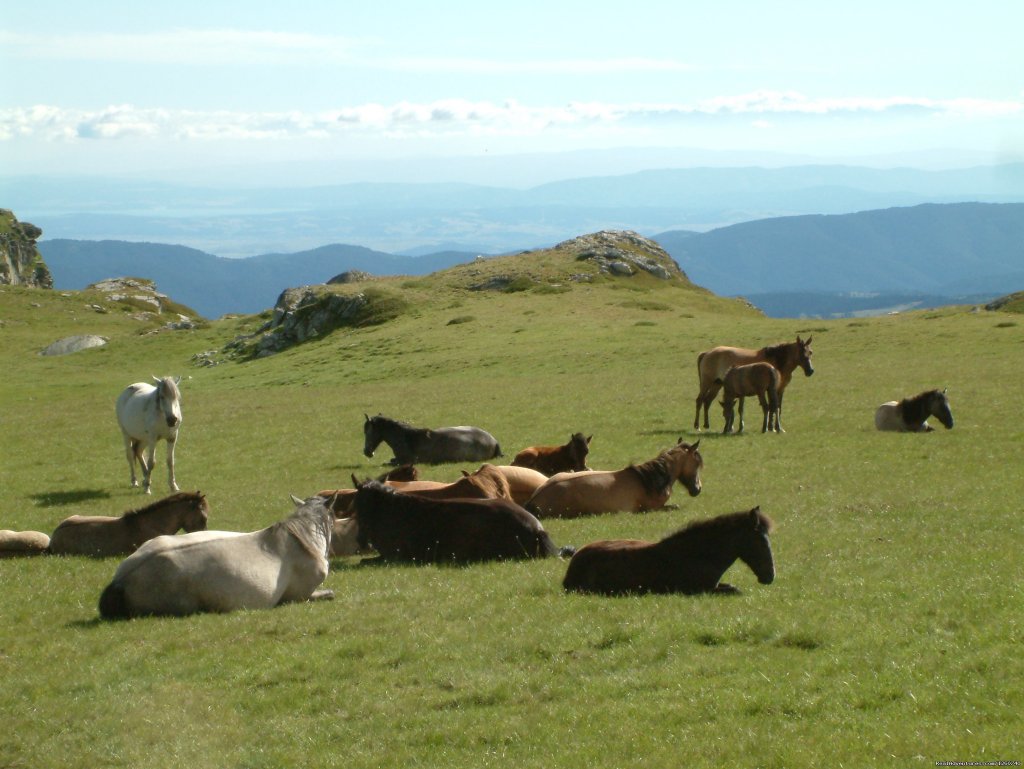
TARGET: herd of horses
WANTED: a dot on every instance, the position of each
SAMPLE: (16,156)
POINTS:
(494,513)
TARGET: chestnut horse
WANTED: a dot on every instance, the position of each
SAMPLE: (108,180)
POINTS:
(636,488)
(910,415)
(406,527)
(760,379)
(570,458)
(690,561)
(486,483)
(712,365)
(100,535)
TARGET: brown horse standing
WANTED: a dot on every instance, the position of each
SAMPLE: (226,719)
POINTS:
(692,560)
(713,364)
(760,379)
(570,458)
(635,488)
(100,535)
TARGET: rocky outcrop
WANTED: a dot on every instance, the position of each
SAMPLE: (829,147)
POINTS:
(21,264)
(300,314)
(624,253)
(71,344)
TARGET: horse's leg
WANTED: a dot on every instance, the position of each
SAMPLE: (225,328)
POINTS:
(741,414)
(170,464)
(147,469)
(778,415)
(726,588)
(709,397)
(131,450)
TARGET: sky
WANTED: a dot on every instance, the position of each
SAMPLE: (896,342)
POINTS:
(311,91)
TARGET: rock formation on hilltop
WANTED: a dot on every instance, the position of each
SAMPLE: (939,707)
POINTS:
(623,252)
(21,264)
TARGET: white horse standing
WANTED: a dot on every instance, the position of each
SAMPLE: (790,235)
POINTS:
(221,571)
(147,414)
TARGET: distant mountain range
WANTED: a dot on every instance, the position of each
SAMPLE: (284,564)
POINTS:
(399,217)
(805,265)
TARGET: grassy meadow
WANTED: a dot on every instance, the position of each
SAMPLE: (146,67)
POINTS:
(892,635)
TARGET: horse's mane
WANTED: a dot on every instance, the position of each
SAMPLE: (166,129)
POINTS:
(916,409)
(303,522)
(776,354)
(380,418)
(654,474)
(170,388)
(709,528)
(162,503)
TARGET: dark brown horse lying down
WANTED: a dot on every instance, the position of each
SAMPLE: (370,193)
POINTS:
(550,460)
(406,527)
(692,560)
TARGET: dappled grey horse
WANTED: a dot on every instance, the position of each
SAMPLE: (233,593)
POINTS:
(418,445)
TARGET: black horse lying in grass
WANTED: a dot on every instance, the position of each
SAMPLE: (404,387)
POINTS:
(692,560)
(404,527)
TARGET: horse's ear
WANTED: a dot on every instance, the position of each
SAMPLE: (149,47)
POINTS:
(355,481)
(367,416)
(755,515)
(944,390)
(298,502)
(177,380)
(590,439)
(155,377)
(465,474)
(695,445)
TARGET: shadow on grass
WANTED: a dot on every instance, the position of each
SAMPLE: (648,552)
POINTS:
(88,624)
(60,498)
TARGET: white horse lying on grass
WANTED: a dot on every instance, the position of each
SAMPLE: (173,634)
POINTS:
(146,415)
(221,571)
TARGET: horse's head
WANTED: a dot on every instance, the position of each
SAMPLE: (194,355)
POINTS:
(755,549)
(803,352)
(197,514)
(939,407)
(579,447)
(168,399)
(371,435)
(688,468)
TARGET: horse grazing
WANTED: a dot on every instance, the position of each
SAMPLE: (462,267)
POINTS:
(146,415)
(572,457)
(910,415)
(690,561)
(419,444)
(635,488)
(522,481)
(101,535)
(21,544)
(221,571)
(345,538)
(713,364)
(407,527)
(760,379)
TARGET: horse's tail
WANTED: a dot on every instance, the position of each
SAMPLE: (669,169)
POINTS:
(113,604)
(567,551)
(699,359)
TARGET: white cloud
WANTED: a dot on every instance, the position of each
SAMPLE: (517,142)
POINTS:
(452,117)
(181,47)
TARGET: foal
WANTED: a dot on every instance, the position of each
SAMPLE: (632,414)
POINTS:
(760,379)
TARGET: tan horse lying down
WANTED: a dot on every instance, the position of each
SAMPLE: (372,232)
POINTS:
(220,571)
(910,415)
(636,488)
(522,481)
(100,535)
(20,544)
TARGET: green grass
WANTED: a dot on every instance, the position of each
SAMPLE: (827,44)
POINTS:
(891,637)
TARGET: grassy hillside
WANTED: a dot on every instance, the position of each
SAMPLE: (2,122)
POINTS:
(892,634)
